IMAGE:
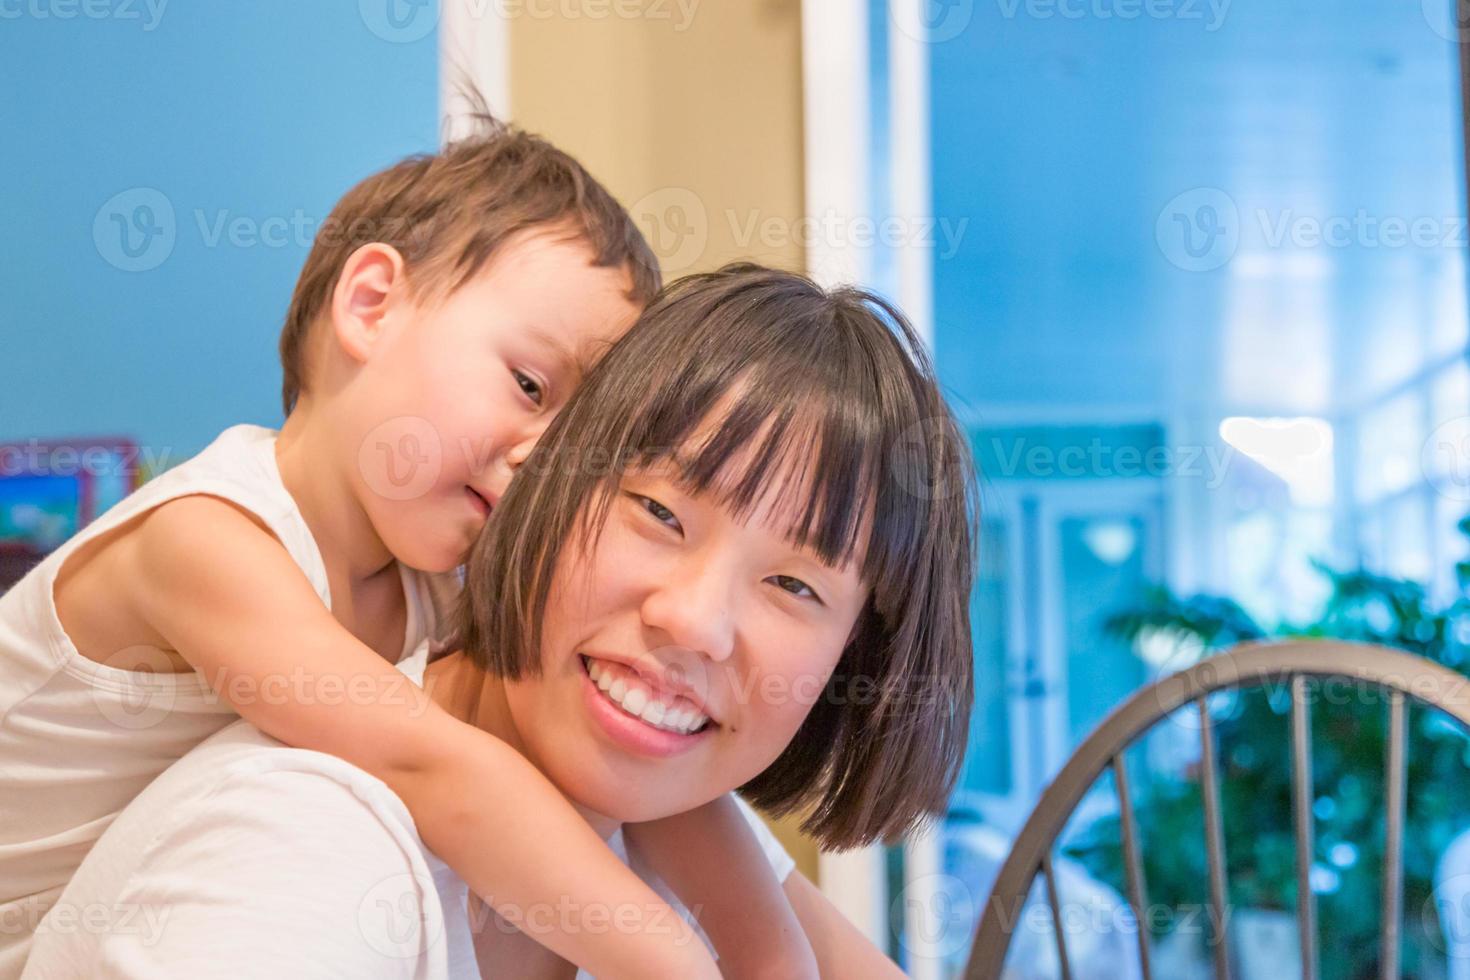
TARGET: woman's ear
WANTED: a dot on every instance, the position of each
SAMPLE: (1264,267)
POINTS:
(373,279)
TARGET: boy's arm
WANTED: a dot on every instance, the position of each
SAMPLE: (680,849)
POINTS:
(502,950)
(842,950)
(712,861)
(839,948)
(231,601)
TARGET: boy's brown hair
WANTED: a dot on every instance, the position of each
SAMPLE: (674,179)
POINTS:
(829,399)
(448,212)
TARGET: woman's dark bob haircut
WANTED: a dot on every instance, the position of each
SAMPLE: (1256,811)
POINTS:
(800,390)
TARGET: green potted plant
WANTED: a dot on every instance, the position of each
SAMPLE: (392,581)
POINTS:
(1348,736)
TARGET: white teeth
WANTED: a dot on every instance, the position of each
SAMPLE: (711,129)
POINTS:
(636,701)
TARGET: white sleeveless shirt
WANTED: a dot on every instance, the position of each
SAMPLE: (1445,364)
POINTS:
(80,739)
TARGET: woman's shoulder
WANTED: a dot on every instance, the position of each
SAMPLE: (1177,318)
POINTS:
(242,807)
(270,853)
(242,768)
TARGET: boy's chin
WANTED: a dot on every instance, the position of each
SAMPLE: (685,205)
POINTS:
(440,563)
(427,552)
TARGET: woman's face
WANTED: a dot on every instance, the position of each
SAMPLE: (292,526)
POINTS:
(681,613)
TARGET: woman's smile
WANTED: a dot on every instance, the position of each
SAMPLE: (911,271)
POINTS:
(636,718)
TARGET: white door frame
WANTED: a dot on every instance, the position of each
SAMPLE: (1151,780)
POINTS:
(836,71)
(1008,810)
(1041,753)
(835,74)
(474,48)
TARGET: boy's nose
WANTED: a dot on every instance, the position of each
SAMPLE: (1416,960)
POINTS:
(521,450)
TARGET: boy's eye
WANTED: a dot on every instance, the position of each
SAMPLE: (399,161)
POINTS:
(795,586)
(659,512)
(529,385)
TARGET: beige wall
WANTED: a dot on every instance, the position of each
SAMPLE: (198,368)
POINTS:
(692,117)
(676,114)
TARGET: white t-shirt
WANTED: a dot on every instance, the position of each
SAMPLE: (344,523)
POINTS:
(79,739)
(250,859)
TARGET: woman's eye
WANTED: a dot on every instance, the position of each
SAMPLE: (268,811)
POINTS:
(660,513)
(795,586)
(529,385)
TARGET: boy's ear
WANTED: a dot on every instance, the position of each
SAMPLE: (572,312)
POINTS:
(373,278)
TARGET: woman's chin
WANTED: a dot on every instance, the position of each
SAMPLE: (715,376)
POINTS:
(628,805)
(627,800)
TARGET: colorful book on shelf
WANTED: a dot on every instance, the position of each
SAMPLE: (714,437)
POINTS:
(50,489)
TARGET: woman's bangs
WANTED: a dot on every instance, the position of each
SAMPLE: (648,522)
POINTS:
(810,459)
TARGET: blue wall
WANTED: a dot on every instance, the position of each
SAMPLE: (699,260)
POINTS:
(259,114)
(1072,138)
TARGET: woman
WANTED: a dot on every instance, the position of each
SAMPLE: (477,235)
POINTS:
(756,514)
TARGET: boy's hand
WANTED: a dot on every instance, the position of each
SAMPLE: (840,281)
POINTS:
(842,949)
(502,950)
(712,861)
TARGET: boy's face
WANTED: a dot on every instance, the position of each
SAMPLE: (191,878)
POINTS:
(453,395)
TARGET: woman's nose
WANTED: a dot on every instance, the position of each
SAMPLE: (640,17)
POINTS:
(692,608)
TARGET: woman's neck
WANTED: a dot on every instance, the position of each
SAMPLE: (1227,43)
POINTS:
(477,697)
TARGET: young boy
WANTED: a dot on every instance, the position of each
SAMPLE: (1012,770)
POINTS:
(446,311)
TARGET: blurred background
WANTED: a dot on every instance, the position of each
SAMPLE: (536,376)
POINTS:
(1193,272)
